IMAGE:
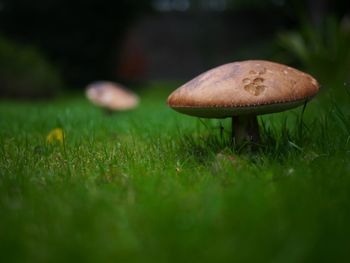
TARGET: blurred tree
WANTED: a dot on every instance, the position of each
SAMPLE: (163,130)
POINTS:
(80,36)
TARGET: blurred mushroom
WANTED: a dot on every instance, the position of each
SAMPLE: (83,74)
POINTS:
(111,96)
(243,90)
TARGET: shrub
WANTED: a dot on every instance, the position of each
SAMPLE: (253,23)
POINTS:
(323,51)
(25,72)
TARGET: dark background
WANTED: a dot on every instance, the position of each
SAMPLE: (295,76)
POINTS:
(140,40)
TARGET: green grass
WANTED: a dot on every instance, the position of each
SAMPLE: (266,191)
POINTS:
(151,185)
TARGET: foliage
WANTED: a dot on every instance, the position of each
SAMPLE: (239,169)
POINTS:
(322,51)
(153,185)
(25,72)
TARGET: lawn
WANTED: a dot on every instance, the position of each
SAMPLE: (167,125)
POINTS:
(152,185)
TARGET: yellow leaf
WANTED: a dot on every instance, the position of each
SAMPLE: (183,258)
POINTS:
(56,135)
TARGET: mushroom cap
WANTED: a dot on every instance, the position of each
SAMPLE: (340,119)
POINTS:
(111,95)
(246,87)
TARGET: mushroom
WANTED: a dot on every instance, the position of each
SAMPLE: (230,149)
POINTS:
(111,96)
(243,90)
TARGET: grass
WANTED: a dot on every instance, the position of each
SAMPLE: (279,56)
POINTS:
(152,185)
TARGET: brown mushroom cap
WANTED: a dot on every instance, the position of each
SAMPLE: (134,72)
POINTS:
(247,87)
(111,96)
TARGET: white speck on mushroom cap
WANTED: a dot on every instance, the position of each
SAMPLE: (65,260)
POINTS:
(247,87)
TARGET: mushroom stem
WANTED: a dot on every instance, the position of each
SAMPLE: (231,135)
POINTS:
(245,129)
